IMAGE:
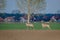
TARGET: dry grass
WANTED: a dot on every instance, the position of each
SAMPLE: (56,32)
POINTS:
(29,35)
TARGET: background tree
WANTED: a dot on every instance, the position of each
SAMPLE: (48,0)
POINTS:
(2,6)
(31,6)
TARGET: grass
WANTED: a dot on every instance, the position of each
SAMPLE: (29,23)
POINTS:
(21,26)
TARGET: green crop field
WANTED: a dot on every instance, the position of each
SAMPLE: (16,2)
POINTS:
(22,26)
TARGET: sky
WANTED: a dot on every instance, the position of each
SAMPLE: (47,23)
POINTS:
(52,6)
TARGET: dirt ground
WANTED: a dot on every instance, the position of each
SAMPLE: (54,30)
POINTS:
(29,35)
